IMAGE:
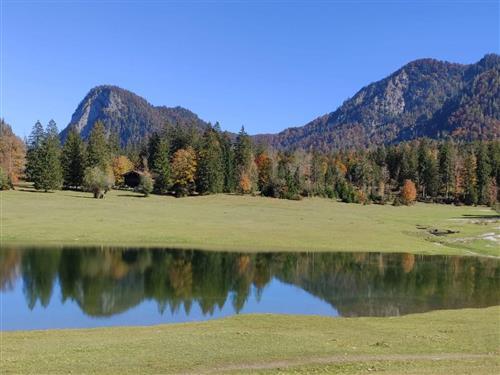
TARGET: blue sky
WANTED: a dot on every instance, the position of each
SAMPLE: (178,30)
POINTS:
(265,65)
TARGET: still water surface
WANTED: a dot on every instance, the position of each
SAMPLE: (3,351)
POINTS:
(92,287)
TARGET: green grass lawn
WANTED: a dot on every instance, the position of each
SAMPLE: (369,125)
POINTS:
(231,222)
(438,342)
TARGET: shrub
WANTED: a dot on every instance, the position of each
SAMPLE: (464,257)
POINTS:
(97,181)
(5,182)
(146,185)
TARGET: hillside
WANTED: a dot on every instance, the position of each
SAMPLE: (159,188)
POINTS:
(424,98)
(127,114)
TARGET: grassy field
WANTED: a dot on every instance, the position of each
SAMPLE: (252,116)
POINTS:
(463,340)
(230,222)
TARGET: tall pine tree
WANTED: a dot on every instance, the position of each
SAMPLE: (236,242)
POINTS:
(210,173)
(73,160)
(98,151)
(158,162)
(50,177)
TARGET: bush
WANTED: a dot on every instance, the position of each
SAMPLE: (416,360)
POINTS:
(5,183)
(146,185)
(97,181)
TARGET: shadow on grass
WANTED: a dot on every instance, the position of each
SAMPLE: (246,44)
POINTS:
(82,196)
(470,216)
(130,195)
(34,191)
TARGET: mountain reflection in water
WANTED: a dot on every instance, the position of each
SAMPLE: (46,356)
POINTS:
(108,281)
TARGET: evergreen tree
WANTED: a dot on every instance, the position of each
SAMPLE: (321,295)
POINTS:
(228,163)
(210,173)
(469,179)
(51,176)
(483,171)
(33,155)
(447,166)
(73,160)
(98,151)
(427,170)
(158,162)
(243,151)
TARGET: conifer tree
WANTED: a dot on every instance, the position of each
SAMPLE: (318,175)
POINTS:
(483,171)
(447,166)
(158,163)
(210,173)
(469,179)
(228,163)
(98,151)
(33,154)
(50,177)
(73,160)
(243,151)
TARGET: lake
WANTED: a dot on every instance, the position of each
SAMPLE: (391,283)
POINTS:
(91,287)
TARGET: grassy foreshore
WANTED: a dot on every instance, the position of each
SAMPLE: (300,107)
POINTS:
(463,340)
(243,223)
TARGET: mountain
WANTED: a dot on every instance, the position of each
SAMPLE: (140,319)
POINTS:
(127,114)
(424,98)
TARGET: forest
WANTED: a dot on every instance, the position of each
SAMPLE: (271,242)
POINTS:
(182,161)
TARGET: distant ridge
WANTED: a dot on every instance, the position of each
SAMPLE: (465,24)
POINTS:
(426,97)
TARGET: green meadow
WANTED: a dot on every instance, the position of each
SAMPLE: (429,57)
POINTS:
(465,341)
(244,223)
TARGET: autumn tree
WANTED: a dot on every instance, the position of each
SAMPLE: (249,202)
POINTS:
(12,153)
(184,171)
(73,160)
(121,165)
(264,170)
(408,192)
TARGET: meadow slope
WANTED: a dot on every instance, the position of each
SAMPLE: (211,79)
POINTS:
(243,223)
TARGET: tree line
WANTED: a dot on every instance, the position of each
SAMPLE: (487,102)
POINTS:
(180,160)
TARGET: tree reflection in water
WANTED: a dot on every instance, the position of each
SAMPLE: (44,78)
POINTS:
(107,281)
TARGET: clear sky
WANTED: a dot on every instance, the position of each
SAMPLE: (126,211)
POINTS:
(265,65)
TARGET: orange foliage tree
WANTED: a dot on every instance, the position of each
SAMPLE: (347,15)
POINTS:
(12,153)
(264,169)
(408,192)
(245,184)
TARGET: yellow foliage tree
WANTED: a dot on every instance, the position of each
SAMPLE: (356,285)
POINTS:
(184,171)
(121,165)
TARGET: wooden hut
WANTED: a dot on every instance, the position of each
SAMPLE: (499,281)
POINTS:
(132,179)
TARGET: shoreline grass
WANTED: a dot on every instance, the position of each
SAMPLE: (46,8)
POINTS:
(243,223)
(439,340)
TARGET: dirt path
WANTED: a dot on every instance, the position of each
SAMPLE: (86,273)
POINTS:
(341,359)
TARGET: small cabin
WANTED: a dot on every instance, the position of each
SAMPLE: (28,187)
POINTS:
(132,179)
